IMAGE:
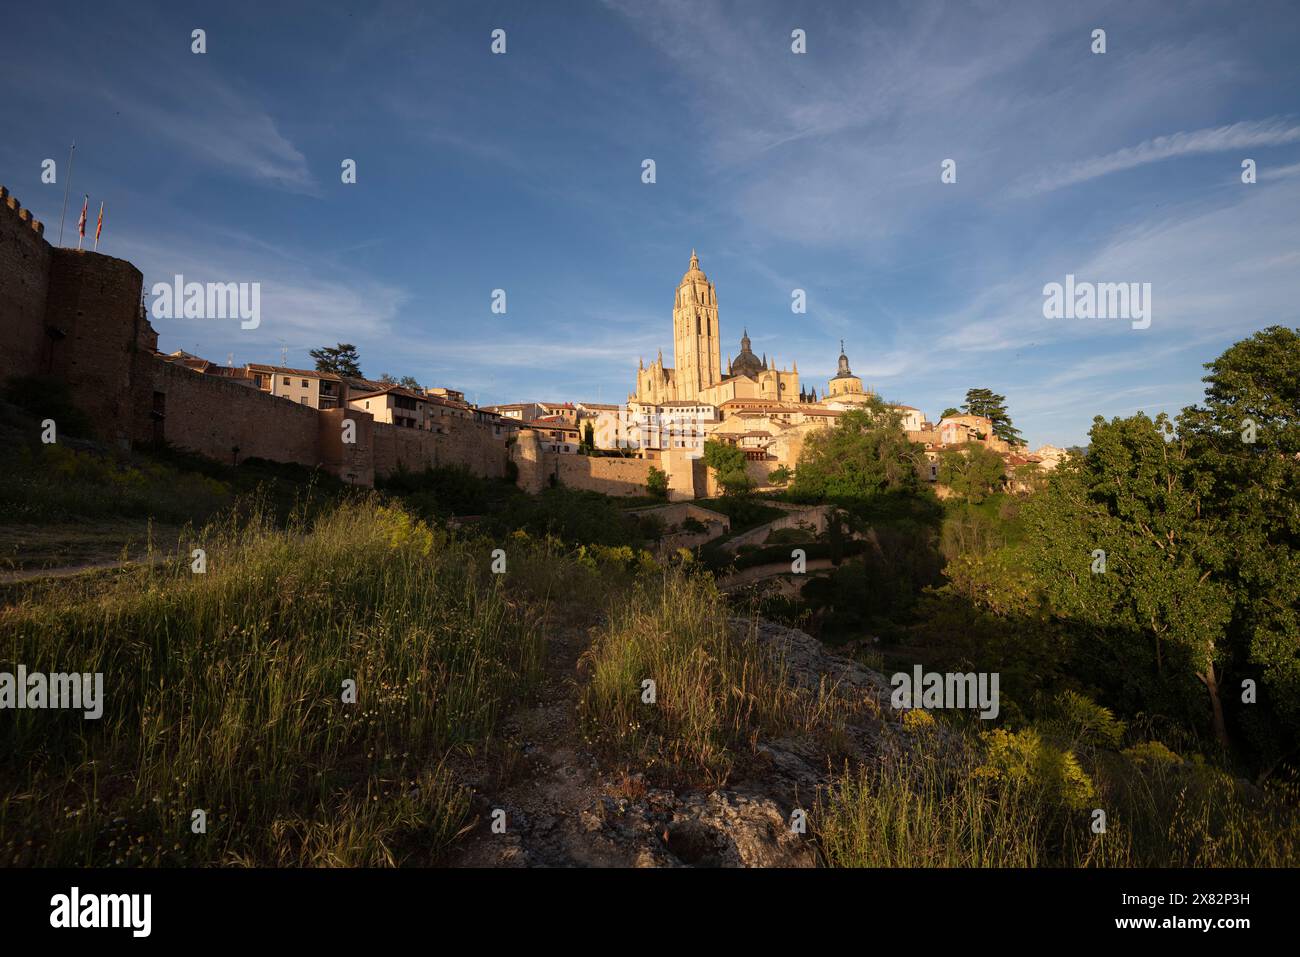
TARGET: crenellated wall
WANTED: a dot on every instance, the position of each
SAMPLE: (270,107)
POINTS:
(24,278)
(78,316)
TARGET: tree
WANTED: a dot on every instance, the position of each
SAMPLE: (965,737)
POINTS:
(1121,542)
(588,438)
(1245,440)
(728,464)
(864,454)
(656,482)
(972,471)
(342,360)
(993,407)
(949,412)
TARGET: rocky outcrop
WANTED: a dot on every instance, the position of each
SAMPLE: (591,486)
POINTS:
(563,810)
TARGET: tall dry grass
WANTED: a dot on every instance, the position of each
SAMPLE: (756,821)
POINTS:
(224,693)
(715,690)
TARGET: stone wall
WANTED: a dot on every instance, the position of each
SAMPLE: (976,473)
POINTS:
(94,303)
(77,316)
(610,476)
(214,416)
(352,461)
(466,444)
(24,277)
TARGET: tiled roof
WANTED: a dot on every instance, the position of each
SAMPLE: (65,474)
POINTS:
(302,373)
(396,390)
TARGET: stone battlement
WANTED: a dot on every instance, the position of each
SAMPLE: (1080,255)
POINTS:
(76,316)
(11,203)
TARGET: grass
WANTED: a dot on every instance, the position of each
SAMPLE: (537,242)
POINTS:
(223,693)
(936,806)
(715,691)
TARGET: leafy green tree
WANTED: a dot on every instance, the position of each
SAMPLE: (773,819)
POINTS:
(973,471)
(949,412)
(406,382)
(728,464)
(1245,438)
(342,360)
(993,407)
(864,454)
(656,482)
(588,438)
(1121,542)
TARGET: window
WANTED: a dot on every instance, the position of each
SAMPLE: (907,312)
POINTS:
(286,380)
(304,383)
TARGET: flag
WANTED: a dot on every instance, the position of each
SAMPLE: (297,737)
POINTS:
(99,226)
(81,223)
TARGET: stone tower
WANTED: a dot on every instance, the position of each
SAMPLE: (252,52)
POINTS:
(697,351)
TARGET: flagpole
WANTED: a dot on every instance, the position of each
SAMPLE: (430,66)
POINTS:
(66,185)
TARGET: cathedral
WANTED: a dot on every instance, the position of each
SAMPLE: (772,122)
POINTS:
(696,375)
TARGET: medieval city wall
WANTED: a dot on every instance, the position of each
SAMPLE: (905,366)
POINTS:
(474,446)
(351,461)
(611,476)
(24,278)
(213,416)
(94,303)
(77,316)
(468,445)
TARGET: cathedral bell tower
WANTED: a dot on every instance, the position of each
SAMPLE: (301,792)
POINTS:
(697,352)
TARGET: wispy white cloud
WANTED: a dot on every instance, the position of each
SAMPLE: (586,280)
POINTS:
(302,306)
(218,126)
(1275,131)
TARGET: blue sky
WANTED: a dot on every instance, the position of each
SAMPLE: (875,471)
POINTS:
(818,171)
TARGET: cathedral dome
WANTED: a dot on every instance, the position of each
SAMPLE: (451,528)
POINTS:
(746,363)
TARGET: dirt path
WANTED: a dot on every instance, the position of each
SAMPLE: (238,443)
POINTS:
(65,571)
